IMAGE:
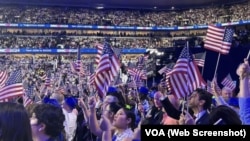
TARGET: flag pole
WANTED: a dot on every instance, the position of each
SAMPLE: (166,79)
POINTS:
(188,84)
(248,54)
(204,64)
(216,67)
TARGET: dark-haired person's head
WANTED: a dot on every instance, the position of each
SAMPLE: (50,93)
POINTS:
(111,109)
(224,115)
(47,121)
(113,95)
(124,119)
(14,123)
(200,99)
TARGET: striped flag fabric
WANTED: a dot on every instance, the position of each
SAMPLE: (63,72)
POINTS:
(163,82)
(43,77)
(13,86)
(132,83)
(166,69)
(167,80)
(28,96)
(107,69)
(99,48)
(210,88)
(219,39)
(142,60)
(47,81)
(228,82)
(199,59)
(137,74)
(3,78)
(136,84)
(91,80)
(185,76)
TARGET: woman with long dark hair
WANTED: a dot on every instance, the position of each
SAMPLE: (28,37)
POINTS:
(14,123)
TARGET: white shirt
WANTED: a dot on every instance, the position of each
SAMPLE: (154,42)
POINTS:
(70,125)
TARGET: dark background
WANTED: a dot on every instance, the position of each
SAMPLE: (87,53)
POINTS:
(227,63)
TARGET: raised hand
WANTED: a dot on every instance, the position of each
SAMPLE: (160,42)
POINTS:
(243,70)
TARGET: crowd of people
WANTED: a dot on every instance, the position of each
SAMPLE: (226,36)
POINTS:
(14,38)
(71,42)
(68,107)
(60,103)
(207,15)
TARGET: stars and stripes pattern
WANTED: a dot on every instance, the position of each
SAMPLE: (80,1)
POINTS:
(199,59)
(107,69)
(3,78)
(137,74)
(28,96)
(219,39)
(142,60)
(99,48)
(135,84)
(228,82)
(13,86)
(131,83)
(166,69)
(210,89)
(185,76)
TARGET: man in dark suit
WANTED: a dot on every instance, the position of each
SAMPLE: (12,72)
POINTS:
(200,102)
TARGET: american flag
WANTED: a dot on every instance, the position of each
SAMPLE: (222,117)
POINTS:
(136,84)
(199,59)
(107,69)
(166,71)
(185,76)
(28,96)
(131,83)
(99,52)
(219,39)
(3,78)
(13,86)
(142,60)
(163,82)
(210,88)
(167,68)
(91,79)
(77,66)
(47,81)
(228,82)
(137,74)
(43,77)
(167,80)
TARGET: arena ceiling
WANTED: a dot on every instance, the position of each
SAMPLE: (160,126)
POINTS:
(132,4)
